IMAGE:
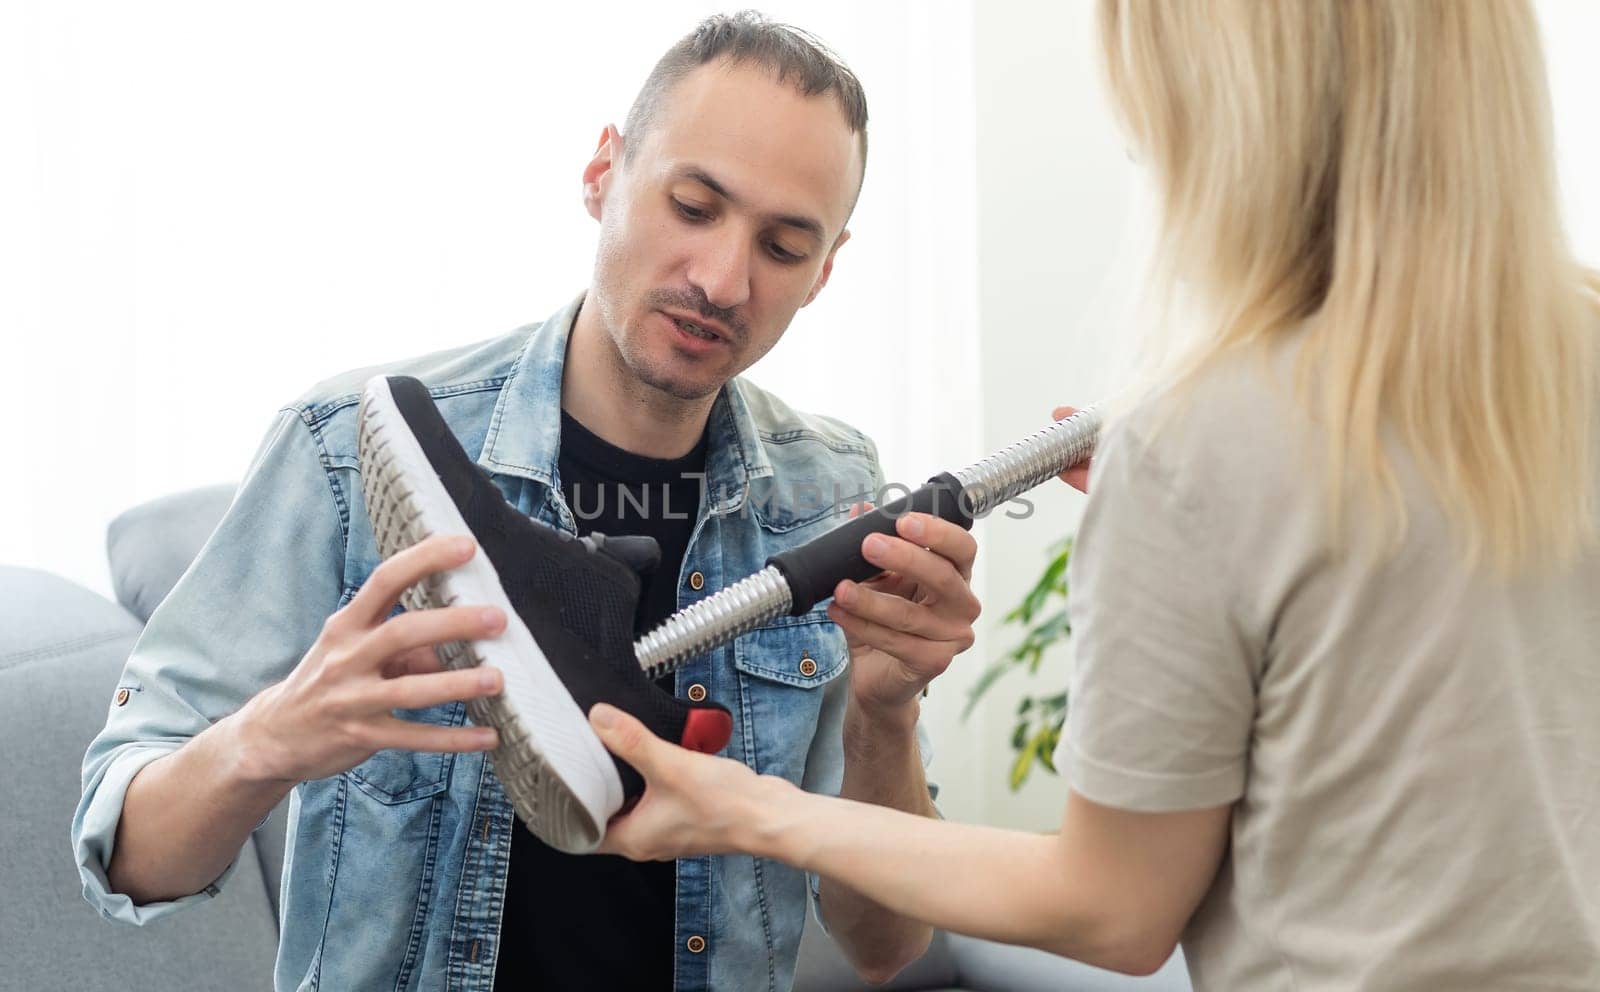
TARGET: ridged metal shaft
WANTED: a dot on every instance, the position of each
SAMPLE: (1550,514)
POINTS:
(715,620)
(1017,468)
(764,596)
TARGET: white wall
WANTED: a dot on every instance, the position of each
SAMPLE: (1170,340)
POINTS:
(1053,199)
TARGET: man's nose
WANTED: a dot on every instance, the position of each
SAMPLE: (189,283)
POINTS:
(721,270)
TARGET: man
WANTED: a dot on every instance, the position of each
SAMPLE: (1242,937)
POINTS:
(277,665)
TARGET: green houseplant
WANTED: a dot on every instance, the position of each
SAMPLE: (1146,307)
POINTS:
(1042,615)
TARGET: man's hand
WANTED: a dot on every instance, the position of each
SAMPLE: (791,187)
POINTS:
(905,626)
(333,711)
(1078,475)
(187,813)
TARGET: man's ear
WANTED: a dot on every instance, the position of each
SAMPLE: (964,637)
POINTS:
(827,267)
(597,175)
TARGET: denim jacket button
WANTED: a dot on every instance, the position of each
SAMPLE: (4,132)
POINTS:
(808,667)
(696,944)
(697,693)
(697,581)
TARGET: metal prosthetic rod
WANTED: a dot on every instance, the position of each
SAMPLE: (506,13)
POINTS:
(796,580)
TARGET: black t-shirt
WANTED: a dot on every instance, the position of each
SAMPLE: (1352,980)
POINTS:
(600,921)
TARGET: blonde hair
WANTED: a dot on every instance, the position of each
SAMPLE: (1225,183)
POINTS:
(1378,175)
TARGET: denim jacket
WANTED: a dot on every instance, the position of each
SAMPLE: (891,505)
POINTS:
(395,870)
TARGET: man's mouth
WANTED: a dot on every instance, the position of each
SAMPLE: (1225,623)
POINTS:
(694,330)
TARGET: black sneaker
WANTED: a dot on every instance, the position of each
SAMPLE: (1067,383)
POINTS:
(569,606)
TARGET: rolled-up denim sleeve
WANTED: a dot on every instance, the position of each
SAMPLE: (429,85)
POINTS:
(238,620)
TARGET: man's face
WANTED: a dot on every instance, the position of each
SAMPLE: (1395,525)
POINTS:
(720,224)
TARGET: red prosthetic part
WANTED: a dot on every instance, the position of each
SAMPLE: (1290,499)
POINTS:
(707,730)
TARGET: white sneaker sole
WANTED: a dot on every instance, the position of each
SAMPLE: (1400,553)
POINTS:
(558,775)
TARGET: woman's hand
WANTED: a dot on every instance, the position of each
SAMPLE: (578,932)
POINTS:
(693,803)
(1078,475)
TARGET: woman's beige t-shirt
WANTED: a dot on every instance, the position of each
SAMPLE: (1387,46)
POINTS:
(1412,748)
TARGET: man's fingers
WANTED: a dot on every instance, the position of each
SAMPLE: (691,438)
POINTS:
(422,628)
(416,661)
(898,613)
(415,692)
(1062,412)
(409,735)
(929,570)
(891,584)
(926,657)
(943,538)
(394,576)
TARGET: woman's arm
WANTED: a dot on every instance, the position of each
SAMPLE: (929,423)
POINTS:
(1113,888)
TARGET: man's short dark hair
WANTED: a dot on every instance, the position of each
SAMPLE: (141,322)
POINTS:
(793,56)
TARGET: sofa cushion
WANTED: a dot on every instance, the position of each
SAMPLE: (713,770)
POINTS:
(44,616)
(151,545)
(62,649)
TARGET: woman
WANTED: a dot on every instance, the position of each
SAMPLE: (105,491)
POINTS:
(1336,707)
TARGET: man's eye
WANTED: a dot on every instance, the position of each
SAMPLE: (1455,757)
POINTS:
(689,212)
(783,254)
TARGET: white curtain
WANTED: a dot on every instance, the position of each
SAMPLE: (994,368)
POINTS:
(209,207)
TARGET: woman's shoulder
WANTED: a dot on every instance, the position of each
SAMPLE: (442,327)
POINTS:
(1238,425)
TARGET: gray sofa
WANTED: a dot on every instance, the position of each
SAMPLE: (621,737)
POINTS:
(62,649)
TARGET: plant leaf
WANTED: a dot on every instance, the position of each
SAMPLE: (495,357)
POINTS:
(1047,584)
(1056,702)
(1045,742)
(988,678)
(1019,768)
(1040,719)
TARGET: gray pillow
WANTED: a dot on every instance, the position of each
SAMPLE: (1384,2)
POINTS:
(151,545)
